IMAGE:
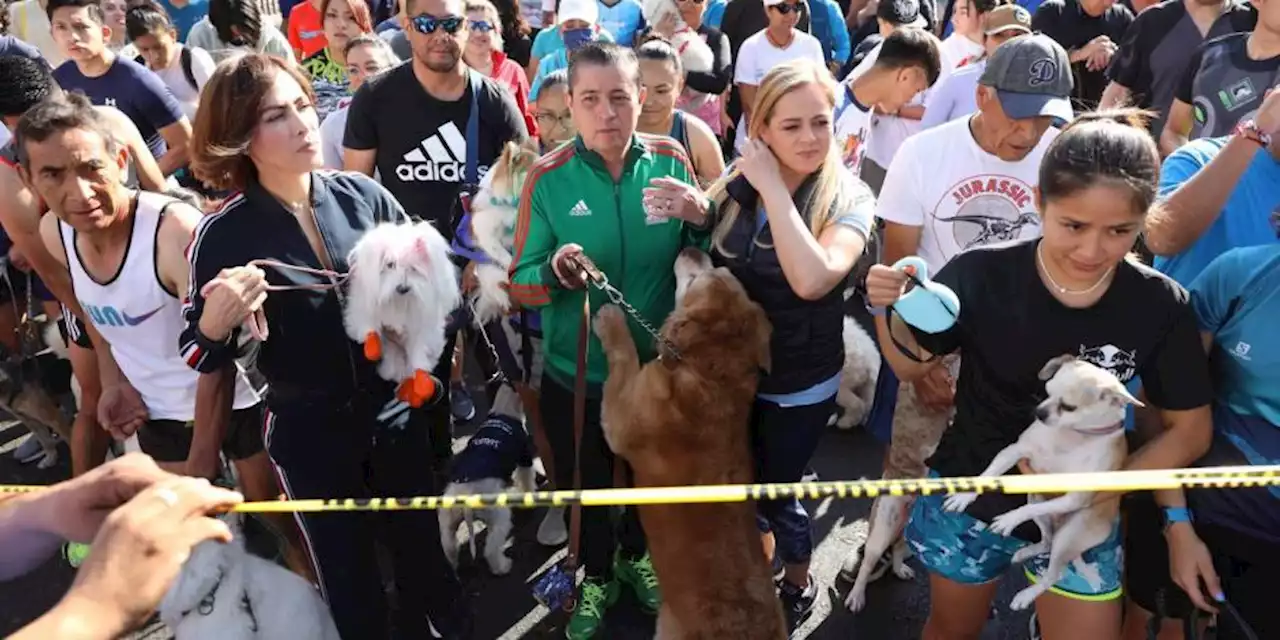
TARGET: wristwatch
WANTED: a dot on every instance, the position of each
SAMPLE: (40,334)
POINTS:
(1173,515)
(1249,130)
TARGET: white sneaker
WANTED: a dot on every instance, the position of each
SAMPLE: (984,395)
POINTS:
(553,532)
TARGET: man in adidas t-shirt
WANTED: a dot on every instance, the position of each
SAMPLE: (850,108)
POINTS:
(411,123)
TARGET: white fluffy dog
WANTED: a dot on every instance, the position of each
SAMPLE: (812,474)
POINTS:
(498,450)
(1078,429)
(694,53)
(400,293)
(493,226)
(225,593)
(859,376)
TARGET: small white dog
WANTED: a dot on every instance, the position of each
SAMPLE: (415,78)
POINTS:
(694,53)
(1079,428)
(499,449)
(859,376)
(225,593)
(400,293)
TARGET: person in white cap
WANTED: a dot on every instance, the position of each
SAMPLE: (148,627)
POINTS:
(577,23)
(777,43)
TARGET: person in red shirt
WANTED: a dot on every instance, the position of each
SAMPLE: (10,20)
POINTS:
(484,53)
(306,29)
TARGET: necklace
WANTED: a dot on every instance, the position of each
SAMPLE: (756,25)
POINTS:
(780,44)
(1063,290)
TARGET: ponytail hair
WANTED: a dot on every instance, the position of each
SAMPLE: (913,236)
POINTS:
(1113,147)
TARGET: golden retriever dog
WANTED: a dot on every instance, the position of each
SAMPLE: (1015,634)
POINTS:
(683,420)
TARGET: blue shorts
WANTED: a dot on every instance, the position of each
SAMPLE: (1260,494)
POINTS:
(959,547)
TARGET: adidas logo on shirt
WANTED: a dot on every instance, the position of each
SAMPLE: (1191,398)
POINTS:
(441,157)
(580,209)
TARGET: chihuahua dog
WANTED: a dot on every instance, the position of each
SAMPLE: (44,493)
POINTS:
(493,227)
(499,449)
(226,593)
(1079,428)
(401,291)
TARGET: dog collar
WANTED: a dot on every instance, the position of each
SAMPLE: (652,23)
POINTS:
(1098,431)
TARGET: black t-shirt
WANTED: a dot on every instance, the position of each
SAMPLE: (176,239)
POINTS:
(1158,47)
(1067,23)
(421,141)
(1224,85)
(1010,325)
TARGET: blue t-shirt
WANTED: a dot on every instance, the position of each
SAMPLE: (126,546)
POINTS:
(1245,221)
(1237,299)
(11,46)
(132,89)
(186,16)
(622,20)
(549,41)
(714,13)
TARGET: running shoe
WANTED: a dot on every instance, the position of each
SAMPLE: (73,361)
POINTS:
(460,403)
(75,553)
(797,602)
(595,596)
(643,579)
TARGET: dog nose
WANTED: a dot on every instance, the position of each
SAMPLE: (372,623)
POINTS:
(1042,413)
(402,289)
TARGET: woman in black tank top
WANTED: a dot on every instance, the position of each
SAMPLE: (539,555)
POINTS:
(661,74)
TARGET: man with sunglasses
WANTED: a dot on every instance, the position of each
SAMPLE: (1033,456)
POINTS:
(777,43)
(431,129)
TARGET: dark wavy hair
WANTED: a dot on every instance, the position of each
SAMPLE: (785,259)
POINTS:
(238,22)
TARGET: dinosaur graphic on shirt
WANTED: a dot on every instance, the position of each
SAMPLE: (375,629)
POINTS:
(994,228)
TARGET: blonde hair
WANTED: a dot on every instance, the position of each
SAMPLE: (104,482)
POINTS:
(829,193)
(490,14)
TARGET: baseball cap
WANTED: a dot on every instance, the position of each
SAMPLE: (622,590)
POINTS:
(1007,17)
(901,13)
(1032,77)
(584,10)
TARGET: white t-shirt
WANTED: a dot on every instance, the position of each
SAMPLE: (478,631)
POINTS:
(331,132)
(758,56)
(961,196)
(957,51)
(29,22)
(955,96)
(853,129)
(188,97)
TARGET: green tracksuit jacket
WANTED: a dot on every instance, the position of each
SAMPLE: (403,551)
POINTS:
(570,197)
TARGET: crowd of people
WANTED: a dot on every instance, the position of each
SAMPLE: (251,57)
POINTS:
(1090,177)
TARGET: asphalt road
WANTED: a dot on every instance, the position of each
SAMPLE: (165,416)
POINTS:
(505,609)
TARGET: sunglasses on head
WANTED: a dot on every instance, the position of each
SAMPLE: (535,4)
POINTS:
(428,24)
(483,26)
(785,8)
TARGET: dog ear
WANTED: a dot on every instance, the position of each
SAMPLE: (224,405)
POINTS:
(1051,367)
(1118,394)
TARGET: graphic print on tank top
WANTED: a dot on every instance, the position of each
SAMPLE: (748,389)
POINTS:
(141,320)
(985,209)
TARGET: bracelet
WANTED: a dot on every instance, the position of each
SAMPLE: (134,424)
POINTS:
(1249,130)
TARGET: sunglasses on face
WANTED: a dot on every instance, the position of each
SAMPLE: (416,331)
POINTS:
(786,8)
(428,24)
(483,26)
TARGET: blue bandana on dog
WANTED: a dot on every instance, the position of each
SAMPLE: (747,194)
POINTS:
(494,451)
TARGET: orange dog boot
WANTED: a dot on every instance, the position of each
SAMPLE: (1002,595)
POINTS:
(404,392)
(372,347)
(424,386)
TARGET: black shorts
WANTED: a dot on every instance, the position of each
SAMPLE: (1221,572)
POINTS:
(1246,567)
(170,440)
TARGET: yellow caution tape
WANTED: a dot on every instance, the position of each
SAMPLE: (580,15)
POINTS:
(1110,481)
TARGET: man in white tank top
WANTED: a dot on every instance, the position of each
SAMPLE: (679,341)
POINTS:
(125,251)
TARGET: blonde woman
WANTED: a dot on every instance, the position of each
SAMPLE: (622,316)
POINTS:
(484,53)
(792,223)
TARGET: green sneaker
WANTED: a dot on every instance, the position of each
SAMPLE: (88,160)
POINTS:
(640,575)
(595,596)
(75,553)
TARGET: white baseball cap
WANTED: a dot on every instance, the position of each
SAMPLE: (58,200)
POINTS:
(584,10)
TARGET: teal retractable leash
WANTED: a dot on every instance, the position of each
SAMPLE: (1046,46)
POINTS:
(929,306)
